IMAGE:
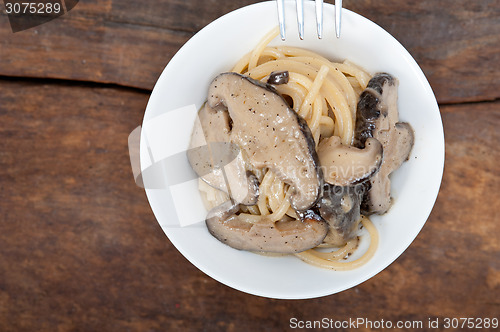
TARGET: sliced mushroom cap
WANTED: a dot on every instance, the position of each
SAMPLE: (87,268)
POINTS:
(377,116)
(278,77)
(286,236)
(345,165)
(270,133)
(340,207)
(219,162)
(405,137)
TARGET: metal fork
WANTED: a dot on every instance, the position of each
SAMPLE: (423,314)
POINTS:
(300,17)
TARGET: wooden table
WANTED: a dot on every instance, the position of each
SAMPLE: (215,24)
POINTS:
(80,249)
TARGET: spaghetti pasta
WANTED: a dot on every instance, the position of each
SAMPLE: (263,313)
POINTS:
(325,95)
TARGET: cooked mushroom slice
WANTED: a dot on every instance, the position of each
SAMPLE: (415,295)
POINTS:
(278,77)
(218,162)
(405,138)
(377,117)
(340,207)
(270,133)
(345,165)
(285,236)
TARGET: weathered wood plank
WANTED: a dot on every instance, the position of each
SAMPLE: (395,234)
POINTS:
(81,250)
(125,43)
(85,50)
(457,43)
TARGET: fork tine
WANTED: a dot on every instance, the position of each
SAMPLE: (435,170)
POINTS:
(338,16)
(319,18)
(300,17)
(281,18)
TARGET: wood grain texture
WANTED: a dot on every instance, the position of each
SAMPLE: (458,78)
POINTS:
(81,250)
(119,42)
(457,43)
(89,49)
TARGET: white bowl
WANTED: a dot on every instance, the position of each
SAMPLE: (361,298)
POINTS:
(182,89)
